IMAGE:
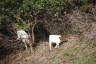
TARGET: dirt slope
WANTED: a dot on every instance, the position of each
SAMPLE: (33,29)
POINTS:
(80,49)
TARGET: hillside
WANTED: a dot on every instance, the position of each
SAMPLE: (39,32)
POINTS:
(40,18)
(80,49)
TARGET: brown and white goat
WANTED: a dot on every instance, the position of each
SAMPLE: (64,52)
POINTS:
(56,39)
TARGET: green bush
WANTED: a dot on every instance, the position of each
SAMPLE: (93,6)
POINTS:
(19,11)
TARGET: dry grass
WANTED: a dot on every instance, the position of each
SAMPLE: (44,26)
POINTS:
(80,49)
(72,52)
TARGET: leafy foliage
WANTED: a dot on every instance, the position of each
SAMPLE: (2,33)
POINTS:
(23,11)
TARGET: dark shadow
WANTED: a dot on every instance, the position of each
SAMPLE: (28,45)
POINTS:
(8,30)
(54,44)
(9,46)
(41,34)
(63,42)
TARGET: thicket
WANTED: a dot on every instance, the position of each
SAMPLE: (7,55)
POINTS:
(25,12)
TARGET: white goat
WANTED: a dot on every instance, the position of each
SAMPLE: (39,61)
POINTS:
(21,34)
(57,39)
(54,39)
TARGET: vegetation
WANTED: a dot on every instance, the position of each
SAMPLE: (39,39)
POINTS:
(23,12)
(75,18)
